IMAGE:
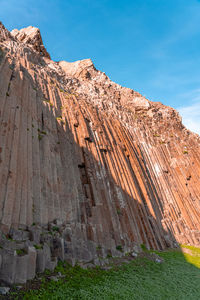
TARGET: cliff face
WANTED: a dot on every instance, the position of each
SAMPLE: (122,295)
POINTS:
(87,168)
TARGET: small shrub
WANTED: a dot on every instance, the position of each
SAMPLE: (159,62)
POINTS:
(119,248)
(46,272)
(9,238)
(21,252)
(109,255)
(39,137)
(118,211)
(143,247)
(185,152)
(46,100)
(43,132)
(38,247)
(55,228)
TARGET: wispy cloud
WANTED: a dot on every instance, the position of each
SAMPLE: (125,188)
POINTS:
(191,113)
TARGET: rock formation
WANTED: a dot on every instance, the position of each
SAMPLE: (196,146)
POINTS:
(88,169)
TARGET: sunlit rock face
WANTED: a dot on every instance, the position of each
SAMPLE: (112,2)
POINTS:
(87,168)
(31,36)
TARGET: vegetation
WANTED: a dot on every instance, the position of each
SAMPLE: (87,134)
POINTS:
(21,252)
(43,132)
(156,135)
(119,247)
(140,279)
(143,247)
(98,247)
(55,228)
(40,134)
(48,101)
(39,137)
(38,247)
(118,211)
(109,255)
(185,152)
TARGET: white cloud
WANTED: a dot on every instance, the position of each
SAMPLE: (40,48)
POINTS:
(191,116)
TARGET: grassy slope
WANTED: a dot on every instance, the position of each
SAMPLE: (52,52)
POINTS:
(177,278)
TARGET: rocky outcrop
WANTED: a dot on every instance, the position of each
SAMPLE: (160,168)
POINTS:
(32,37)
(88,168)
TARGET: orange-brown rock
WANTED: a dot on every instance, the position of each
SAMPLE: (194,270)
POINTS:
(95,167)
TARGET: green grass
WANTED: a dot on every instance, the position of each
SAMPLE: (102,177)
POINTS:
(192,248)
(195,257)
(140,279)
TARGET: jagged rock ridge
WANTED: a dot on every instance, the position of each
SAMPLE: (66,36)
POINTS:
(87,168)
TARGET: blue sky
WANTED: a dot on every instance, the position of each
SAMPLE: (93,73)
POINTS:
(151,46)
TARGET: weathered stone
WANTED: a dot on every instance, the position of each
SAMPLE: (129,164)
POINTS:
(133,254)
(152,256)
(136,249)
(54,278)
(31,267)
(19,235)
(40,261)
(8,266)
(21,269)
(4,290)
(71,261)
(35,232)
(58,222)
(58,248)
(32,37)
(51,264)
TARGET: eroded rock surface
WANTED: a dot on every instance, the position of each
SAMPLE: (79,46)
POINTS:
(88,168)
